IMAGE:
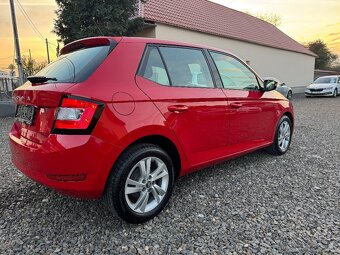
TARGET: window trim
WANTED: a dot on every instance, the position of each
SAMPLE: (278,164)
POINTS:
(142,64)
(258,79)
(165,67)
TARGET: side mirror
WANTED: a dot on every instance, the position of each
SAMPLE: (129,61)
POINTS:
(269,85)
(283,84)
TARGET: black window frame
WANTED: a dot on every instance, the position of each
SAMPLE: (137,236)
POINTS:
(143,63)
(259,80)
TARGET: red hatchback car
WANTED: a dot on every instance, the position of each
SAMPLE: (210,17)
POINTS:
(122,118)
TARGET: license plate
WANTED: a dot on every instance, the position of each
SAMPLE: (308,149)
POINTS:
(25,114)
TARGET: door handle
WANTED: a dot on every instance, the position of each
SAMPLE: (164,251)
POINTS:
(235,105)
(178,108)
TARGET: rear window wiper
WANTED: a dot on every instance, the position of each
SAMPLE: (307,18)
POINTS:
(40,79)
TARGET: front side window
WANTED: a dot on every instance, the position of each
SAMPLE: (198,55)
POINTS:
(233,73)
(187,67)
(154,69)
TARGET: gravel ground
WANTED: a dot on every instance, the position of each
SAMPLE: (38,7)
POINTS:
(254,204)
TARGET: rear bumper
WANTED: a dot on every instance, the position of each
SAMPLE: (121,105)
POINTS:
(68,156)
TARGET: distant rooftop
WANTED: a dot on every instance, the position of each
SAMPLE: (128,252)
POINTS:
(212,18)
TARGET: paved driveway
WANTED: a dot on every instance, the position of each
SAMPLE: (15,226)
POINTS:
(254,204)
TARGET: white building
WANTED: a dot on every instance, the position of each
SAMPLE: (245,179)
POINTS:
(266,48)
(7,81)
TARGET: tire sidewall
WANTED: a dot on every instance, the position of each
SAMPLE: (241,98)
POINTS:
(276,140)
(122,208)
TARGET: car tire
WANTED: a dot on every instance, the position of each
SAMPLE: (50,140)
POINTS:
(133,172)
(335,94)
(290,95)
(282,138)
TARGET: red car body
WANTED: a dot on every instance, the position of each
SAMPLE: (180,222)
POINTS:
(197,126)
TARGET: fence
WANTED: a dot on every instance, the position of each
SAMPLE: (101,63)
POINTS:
(7,85)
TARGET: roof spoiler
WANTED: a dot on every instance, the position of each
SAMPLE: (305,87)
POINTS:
(88,43)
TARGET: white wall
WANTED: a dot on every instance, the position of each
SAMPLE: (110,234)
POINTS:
(295,69)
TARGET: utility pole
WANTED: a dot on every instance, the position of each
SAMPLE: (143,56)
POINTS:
(16,43)
(48,52)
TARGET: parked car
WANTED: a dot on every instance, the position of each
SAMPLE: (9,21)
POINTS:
(122,118)
(324,86)
(281,87)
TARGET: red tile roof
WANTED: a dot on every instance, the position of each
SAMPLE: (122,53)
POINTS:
(212,18)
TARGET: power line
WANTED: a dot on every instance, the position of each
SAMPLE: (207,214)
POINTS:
(7,57)
(34,28)
(30,21)
(32,24)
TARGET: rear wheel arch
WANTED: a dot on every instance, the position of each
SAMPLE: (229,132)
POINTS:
(167,145)
(160,140)
(290,116)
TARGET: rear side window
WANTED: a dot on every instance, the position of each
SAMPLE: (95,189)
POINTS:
(154,69)
(234,74)
(76,66)
(187,67)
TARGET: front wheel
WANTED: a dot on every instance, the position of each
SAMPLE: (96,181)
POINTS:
(283,136)
(140,183)
(335,93)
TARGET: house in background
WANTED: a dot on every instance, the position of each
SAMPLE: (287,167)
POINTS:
(263,46)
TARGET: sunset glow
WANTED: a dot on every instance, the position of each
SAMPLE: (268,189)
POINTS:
(303,20)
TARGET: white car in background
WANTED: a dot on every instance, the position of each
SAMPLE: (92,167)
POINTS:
(281,87)
(324,86)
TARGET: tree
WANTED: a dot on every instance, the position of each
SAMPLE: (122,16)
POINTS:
(31,66)
(269,17)
(77,19)
(11,68)
(325,57)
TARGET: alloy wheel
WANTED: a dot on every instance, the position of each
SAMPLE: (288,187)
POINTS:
(146,185)
(284,136)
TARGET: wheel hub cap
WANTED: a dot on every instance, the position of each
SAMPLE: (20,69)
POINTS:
(284,136)
(146,185)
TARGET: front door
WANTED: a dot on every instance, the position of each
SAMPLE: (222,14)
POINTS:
(251,111)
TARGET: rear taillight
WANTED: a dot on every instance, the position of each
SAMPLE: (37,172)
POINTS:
(76,114)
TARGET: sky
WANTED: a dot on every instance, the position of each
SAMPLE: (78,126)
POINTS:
(303,20)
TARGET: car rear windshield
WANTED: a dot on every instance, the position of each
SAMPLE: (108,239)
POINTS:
(76,66)
(325,80)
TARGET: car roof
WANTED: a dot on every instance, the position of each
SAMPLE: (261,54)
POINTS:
(151,41)
(123,39)
(168,42)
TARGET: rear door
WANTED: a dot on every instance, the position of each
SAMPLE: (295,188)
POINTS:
(251,110)
(179,82)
